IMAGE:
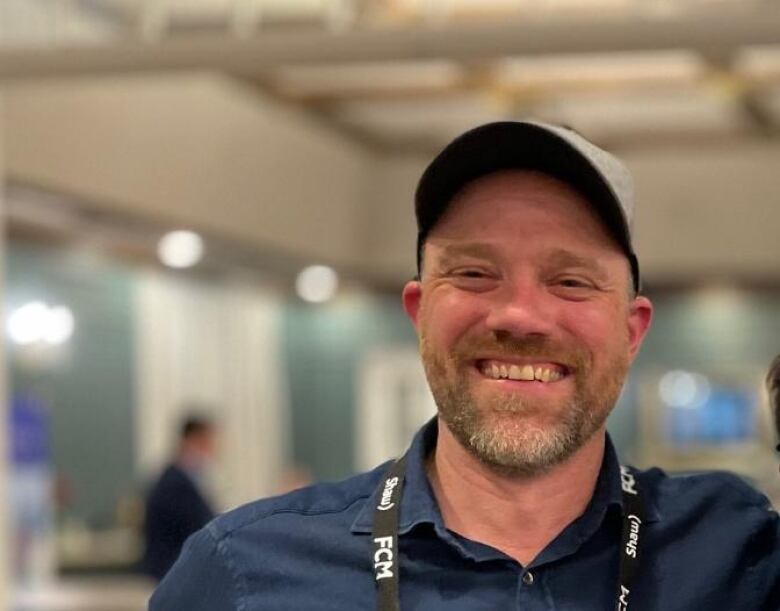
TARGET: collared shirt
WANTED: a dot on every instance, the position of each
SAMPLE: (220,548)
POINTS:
(711,543)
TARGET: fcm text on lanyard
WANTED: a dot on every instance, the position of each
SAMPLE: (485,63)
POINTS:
(385,537)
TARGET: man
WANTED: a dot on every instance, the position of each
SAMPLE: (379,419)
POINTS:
(528,315)
(175,506)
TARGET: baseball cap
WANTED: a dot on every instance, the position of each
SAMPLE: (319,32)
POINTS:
(600,177)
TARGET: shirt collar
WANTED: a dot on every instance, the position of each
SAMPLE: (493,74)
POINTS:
(418,504)
(609,489)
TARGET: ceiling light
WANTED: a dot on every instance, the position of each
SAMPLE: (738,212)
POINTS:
(317,283)
(26,322)
(180,249)
(684,389)
(36,322)
(58,326)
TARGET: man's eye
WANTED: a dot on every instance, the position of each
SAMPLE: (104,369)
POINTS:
(470,273)
(574,283)
(472,278)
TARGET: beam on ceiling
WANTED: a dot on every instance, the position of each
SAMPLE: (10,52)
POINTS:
(708,32)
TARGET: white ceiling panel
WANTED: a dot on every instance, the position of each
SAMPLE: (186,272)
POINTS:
(471,8)
(771,101)
(686,111)
(759,62)
(425,119)
(277,8)
(606,69)
(362,77)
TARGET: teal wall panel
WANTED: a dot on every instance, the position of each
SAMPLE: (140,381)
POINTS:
(323,347)
(701,331)
(89,387)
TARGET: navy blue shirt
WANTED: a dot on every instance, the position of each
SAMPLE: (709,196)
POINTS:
(712,543)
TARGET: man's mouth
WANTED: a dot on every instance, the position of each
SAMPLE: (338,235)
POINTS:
(545,372)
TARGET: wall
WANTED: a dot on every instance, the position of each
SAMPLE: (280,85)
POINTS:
(390,233)
(324,345)
(215,153)
(706,210)
(5,554)
(89,387)
(194,149)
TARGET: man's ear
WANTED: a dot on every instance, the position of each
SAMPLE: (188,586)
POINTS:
(639,317)
(412,296)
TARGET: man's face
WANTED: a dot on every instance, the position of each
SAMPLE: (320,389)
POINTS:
(525,320)
(202,446)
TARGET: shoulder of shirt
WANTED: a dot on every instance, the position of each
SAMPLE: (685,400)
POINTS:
(315,500)
(716,490)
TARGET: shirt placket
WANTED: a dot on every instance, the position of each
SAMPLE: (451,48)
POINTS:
(531,594)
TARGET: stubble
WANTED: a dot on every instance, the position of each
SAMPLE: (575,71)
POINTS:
(511,433)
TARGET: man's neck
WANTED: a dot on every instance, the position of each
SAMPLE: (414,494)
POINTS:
(519,515)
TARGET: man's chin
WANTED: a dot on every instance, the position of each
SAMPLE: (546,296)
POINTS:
(519,457)
(512,442)
(522,414)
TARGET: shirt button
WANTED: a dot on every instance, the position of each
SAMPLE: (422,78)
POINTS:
(528,578)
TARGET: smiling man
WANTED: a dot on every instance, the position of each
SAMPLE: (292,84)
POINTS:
(527,325)
(528,313)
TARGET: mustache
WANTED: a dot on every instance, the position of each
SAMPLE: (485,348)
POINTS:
(530,346)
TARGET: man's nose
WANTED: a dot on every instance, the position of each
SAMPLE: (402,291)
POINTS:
(522,309)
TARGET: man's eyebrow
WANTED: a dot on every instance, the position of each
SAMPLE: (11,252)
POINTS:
(565,258)
(474,249)
(449,252)
(558,258)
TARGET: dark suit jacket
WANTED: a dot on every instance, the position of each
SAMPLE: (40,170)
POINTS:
(175,509)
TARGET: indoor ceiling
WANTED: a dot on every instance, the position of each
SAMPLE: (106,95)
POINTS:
(406,75)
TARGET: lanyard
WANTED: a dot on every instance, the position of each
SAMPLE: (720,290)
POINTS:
(385,537)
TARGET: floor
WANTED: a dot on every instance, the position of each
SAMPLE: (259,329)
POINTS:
(86,594)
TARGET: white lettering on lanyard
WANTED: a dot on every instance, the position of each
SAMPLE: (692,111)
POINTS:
(383,557)
(627,481)
(387,493)
(633,535)
(623,600)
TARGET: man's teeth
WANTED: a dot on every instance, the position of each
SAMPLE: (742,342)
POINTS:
(502,371)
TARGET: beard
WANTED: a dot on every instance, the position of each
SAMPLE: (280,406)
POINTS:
(515,434)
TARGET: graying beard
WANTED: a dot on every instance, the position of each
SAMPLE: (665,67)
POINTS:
(537,455)
(531,455)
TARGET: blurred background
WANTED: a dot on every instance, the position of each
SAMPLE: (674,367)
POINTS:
(209,202)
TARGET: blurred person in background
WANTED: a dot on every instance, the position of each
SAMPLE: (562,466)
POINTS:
(528,312)
(177,504)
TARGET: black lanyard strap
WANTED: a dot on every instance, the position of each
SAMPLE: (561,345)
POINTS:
(385,537)
(632,536)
